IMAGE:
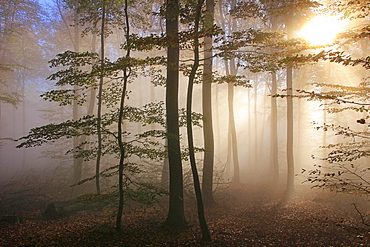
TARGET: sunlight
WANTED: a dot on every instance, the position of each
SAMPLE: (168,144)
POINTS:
(322,29)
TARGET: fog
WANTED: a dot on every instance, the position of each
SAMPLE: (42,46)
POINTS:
(329,114)
(252,109)
(252,120)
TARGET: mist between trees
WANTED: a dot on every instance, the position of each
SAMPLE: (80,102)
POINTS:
(95,95)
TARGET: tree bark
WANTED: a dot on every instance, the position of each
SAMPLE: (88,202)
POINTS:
(100,92)
(274,159)
(120,123)
(232,128)
(208,163)
(77,162)
(232,131)
(289,84)
(290,156)
(233,143)
(165,171)
(274,144)
(206,236)
(176,215)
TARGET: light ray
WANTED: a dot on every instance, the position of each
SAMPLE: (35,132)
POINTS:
(322,29)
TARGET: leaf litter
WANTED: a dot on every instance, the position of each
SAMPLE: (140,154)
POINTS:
(243,216)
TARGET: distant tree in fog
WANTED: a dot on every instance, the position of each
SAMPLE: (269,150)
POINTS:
(209,145)
(274,55)
(17,20)
(345,169)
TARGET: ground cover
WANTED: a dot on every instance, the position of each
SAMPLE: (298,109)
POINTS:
(244,216)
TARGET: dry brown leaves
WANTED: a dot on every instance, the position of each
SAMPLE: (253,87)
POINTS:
(245,216)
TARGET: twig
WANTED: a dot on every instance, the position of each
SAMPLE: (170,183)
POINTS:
(362,217)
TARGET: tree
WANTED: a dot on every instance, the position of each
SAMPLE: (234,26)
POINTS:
(89,15)
(345,168)
(208,163)
(77,162)
(290,127)
(83,69)
(274,144)
(22,62)
(120,119)
(278,56)
(16,18)
(231,73)
(233,142)
(176,216)
(100,102)
(206,236)
(76,8)
(296,55)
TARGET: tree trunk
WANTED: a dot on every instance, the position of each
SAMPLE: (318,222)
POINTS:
(274,159)
(232,70)
(289,84)
(256,128)
(77,162)
(120,123)
(23,93)
(232,128)
(290,157)
(206,236)
(274,144)
(91,106)
(207,183)
(232,131)
(176,215)
(165,171)
(100,92)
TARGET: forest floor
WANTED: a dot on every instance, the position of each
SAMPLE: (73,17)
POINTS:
(243,216)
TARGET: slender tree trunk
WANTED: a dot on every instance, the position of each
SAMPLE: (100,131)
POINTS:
(217,86)
(207,183)
(232,140)
(75,39)
(120,124)
(91,106)
(290,157)
(232,129)
(274,144)
(206,236)
(274,159)
(290,151)
(23,115)
(100,92)
(77,162)
(250,148)
(256,128)
(176,215)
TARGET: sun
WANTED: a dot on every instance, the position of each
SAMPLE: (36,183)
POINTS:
(322,29)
